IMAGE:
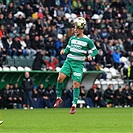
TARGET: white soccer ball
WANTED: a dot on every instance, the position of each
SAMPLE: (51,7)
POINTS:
(80,22)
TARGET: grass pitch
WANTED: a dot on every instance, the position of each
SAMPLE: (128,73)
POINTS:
(94,120)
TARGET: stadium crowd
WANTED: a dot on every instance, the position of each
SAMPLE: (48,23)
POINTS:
(28,27)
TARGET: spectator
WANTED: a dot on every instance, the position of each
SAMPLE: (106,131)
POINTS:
(131,93)
(38,61)
(35,97)
(17,96)
(104,33)
(59,43)
(32,33)
(41,91)
(28,10)
(127,96)
(27,86)
(128,45)
(60,12)
(66,23)
(76,4)
(100,57)
(116,58)
(21,24)
(48,92)
(44,100)
(117,33)
(53,95)
(5,92)
(38,24)
(131,57)
(9,46)
(50,46)
(30,51)
(82,92)
(11,7)
(2,57)
(17,45)
(118,4)
(60,26)
(66,101)
(118,97)
(107,13)
(10,23)
(2,19)
(51,63)
(129,72)
(70,96)
(62,58)
(111,32)
(104,45)
(35,43)
(7,97)
(95,97)
(109,95)
(25,51)
(118,45)
(91,66)
(41,42)
(95,36)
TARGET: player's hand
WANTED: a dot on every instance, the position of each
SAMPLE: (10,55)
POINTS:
(62,51)
(89,57)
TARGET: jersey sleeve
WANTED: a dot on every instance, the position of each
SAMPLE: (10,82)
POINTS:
(92,48)
(67,49)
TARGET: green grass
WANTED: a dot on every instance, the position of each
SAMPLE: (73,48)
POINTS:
(96,120)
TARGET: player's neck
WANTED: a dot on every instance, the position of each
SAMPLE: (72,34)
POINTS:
(80,35)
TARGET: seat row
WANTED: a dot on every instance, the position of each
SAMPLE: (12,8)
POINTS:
(19,61)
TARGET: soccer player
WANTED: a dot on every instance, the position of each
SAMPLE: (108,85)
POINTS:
(76,51)
(1,122)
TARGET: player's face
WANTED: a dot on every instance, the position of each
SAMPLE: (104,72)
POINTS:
(77,31)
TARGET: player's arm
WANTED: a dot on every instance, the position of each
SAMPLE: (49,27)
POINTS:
(93,49)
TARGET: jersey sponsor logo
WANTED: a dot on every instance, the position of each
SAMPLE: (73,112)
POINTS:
(78,42)
(76,74)
(76,46)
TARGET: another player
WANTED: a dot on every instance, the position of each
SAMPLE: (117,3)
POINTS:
(76,51)
(1,122)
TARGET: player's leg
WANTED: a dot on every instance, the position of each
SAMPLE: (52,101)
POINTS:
(76,77)
(76,92)
(64,72)
(59,86)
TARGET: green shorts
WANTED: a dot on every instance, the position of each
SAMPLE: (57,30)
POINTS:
(73,69)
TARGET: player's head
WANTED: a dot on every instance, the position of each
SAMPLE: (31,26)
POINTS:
(79,24)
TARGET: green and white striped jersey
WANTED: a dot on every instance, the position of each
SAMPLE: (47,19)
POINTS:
(77,48)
